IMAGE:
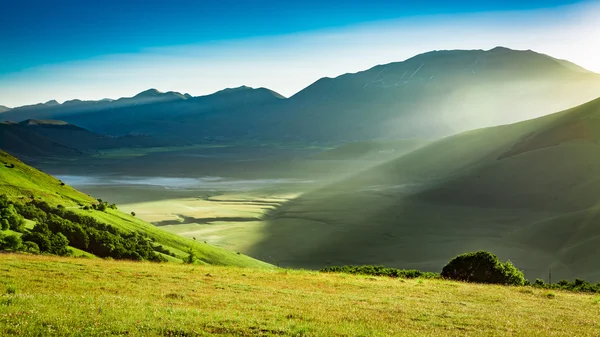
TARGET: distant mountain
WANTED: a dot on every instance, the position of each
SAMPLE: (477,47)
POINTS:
(431,95)
(4,108)
(440,93)
(52,138)
(526,191)
(53,110)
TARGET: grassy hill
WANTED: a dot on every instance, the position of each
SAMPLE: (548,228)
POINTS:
(371,149)
(20,182)
(526,191)
(95,297)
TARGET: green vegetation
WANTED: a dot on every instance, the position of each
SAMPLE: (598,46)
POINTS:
(380,271)
(54,209)
(482,267)
(95,297)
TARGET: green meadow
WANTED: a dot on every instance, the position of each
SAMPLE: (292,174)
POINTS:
(43,295)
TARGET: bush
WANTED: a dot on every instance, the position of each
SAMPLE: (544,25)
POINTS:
(11,242)
(379,271)
(31,247)
(482,267)
(9,217)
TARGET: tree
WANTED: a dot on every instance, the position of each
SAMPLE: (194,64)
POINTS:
(191,256)
(11,242)
(9,217)
(132,213)
(58,245)
(482,267)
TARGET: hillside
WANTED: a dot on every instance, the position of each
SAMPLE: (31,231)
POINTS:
(4,109)
(182,300)
(525,191)
(52,138)
(371,149)
(20,182)
(431,95)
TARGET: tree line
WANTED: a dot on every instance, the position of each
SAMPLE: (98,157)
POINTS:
(56,228)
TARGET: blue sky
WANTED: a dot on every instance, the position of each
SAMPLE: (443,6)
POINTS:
(44,45)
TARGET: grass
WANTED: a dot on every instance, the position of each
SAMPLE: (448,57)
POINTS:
(67,296)
(526,192)
(22,181)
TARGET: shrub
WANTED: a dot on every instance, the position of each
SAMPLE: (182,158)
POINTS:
(132,213)
(191,256)
(31,247)
(482,267)
(11,242)
(379,271)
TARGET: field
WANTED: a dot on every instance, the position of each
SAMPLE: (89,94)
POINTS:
(67,296)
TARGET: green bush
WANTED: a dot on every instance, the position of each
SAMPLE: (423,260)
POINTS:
(11,242)
(9,217)
(379,271)
(31,247)
(482,267)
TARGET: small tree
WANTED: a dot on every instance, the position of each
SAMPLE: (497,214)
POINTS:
(191,256)
(132,213)
(482,267)
(12,242)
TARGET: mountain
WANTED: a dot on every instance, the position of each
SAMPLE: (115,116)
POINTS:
(440,93)
(20,182)
(526,191)
(431,95)
(52,138)
(4,108)
(52,109)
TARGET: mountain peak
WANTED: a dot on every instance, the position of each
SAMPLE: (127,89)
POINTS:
(500,49)
(148,93)
(52,102)
(236,89)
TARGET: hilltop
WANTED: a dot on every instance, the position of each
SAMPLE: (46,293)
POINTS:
(22,184)
(183,300)
(525,191)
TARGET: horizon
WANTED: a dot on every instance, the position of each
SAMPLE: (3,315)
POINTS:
(202,57)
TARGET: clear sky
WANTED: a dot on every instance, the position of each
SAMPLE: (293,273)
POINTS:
(107,48)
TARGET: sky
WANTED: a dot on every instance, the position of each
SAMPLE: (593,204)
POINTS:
(95,49)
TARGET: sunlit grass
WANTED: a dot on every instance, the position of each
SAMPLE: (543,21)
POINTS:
(65,296)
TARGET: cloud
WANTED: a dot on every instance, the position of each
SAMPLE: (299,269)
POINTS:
(291,62)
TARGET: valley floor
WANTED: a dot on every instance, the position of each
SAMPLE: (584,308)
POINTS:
(43,296)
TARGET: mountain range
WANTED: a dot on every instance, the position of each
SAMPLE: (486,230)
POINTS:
(431,95)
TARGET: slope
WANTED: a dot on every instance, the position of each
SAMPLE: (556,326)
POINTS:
(52,138)
(526,191)
(21,182)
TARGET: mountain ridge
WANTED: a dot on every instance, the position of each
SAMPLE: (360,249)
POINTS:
(430,95)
